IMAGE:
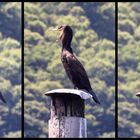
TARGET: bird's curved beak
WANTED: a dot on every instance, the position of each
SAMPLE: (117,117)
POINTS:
(54,29)
(57,29)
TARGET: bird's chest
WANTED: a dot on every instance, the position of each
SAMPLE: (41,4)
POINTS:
(65,61)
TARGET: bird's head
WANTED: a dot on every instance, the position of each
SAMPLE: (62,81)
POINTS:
(66,34)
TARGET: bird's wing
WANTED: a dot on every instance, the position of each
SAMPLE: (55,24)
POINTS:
(2,98)
(78,70)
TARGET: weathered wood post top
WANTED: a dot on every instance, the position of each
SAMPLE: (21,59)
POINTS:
(67,119)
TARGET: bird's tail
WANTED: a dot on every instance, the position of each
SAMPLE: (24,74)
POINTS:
(2,98)
(94,97)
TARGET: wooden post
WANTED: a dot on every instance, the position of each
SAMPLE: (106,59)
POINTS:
(67,114)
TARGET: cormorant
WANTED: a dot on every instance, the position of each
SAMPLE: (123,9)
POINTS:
(72,66)
(2,98)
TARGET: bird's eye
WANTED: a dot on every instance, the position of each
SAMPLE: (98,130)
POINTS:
(60,27)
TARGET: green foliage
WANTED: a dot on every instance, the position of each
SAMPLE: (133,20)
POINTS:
(10,69)
(93,43)
(128,69)
(10,26)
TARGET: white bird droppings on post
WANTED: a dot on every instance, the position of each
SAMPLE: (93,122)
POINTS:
(83,94)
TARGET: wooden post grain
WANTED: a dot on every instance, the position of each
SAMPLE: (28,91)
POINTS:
(67,116)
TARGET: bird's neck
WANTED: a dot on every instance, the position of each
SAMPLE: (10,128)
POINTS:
(67,48)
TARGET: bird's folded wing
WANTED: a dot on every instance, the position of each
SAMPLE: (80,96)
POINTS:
(77,70)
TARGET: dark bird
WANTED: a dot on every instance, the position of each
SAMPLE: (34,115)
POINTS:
(72,66)
(2,98)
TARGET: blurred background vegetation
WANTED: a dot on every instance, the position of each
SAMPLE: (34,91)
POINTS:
(10,69)
(93,25)
(93,43)
(129,69)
